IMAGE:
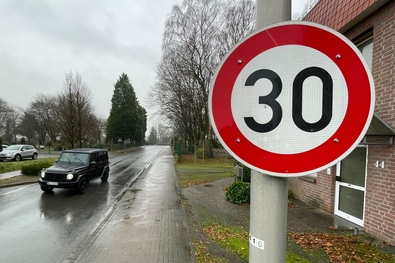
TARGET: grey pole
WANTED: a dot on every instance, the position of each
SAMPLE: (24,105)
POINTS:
(269,194)
(272,11)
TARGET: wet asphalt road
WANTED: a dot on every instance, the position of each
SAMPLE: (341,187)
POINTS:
(47,227)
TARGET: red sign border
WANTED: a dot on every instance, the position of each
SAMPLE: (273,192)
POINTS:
(355,123)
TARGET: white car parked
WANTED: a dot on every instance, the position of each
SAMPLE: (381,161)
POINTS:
(18,152)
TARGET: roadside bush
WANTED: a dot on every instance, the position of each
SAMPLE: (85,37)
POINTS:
(34,168)
(238,192)
(59,148)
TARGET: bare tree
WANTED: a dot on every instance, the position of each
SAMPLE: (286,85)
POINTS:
(197,34)
(164,134)
(101,129)
(240,17)
(12,123)
(94,132)
(28,126)
(43,107)
(307,8)
(75,110)
(153,136)
(6,112)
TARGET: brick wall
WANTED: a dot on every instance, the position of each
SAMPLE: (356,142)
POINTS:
(380,183)
(335,14)
(320,193)
(380,193)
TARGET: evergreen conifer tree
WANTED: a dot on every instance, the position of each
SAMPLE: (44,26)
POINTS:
(127,118)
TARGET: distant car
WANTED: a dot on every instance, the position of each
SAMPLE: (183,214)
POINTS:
(75,169)
(18,152)
(4,146)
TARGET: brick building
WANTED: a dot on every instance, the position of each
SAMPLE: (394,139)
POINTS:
(361,188)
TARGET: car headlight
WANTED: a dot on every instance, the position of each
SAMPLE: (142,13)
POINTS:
(9,154)
(70,176)
(42,174)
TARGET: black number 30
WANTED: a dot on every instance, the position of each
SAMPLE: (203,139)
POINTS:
(297,91)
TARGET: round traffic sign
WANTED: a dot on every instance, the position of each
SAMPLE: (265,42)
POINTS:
(292,99)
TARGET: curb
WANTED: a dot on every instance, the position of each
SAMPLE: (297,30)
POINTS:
(17,184)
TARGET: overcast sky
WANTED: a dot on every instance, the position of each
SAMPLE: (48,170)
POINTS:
(42,40)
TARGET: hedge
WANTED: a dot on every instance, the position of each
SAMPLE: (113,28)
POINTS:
(35,168)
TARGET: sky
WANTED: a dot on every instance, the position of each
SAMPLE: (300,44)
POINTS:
(43,40)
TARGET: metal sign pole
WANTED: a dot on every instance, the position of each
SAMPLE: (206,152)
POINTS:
(269,194)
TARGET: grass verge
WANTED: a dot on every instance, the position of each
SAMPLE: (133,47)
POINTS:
(21,179)
(191,173)
(6,167)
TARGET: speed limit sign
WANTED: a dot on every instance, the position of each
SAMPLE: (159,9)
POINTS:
(292,99)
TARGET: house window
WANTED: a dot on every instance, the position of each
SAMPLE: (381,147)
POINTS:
(364,42)
(366,49)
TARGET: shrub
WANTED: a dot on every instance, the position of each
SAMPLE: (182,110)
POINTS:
(238,192)
(35,168)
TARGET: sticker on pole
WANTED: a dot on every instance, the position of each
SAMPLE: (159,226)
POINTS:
(292,99)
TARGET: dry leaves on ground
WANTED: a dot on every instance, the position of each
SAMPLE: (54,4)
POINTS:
(339,248)
(202,253)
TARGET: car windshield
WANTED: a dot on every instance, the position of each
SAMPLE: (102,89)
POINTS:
(82,158)
(13,147)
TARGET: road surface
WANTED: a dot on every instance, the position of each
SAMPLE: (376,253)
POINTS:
(47,227)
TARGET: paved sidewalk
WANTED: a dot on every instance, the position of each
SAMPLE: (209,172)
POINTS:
(149,223)
(10,174)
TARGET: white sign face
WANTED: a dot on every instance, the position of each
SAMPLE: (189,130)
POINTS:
(287,137)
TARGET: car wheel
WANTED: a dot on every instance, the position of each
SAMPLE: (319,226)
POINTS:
(104,178)
(34,156)
(47,189)
(17,158)
(82,185)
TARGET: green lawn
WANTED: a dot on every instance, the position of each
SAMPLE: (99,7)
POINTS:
(191,173)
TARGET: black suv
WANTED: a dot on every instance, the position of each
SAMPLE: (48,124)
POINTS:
(75,169)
